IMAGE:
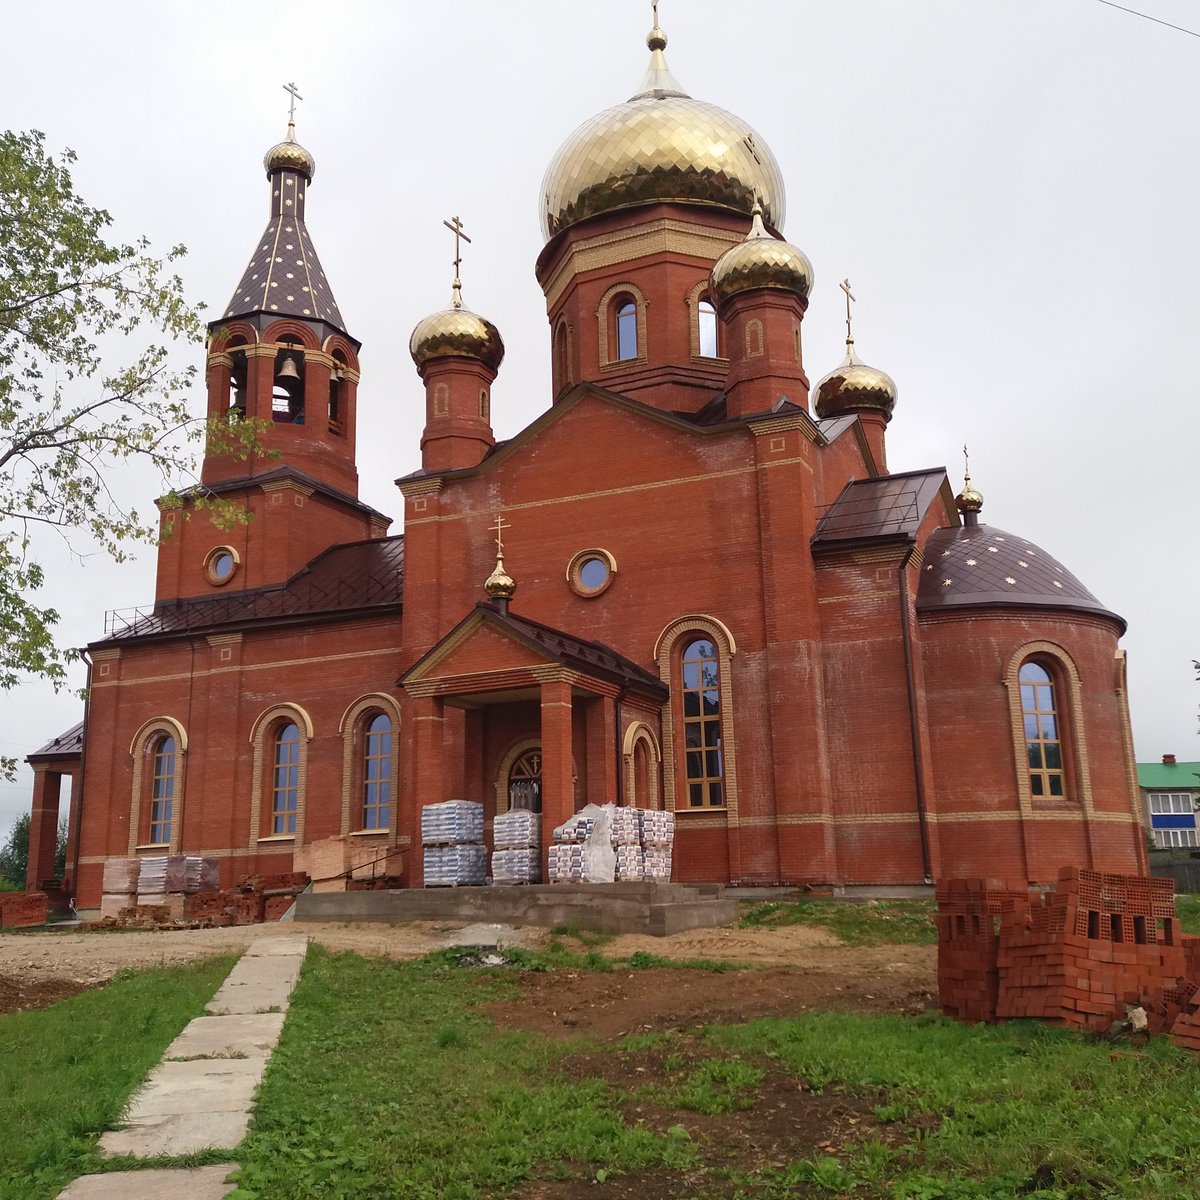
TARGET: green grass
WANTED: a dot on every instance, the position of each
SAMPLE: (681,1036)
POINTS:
(1188,910)
(67,1071)
(875,923)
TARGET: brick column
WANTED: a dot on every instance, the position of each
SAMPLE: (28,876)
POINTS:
(558,789)
(43,827)
(601,715)
(425,778)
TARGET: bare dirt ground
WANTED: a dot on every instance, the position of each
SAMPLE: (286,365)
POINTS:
(799,968)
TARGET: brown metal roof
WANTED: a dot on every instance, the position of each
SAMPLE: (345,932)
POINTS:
(978,566)
(66,745)
(346,578)
(888,507)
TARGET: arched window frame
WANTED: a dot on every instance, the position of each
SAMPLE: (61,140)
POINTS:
(668,651)
(353,730)
(337,393)
(606,316)
(507,761)
(1068,698)
(142,750)
(288,399)
(262,739)
(698,296)
(564,374)
(640,734)
(755,342)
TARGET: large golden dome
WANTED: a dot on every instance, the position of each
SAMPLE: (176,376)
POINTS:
(761,261)
(289,155)
(660,145)
(456,332)
(854,386)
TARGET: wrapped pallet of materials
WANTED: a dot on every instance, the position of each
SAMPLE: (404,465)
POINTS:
(626,827)
(121,876)
(658,828)
(658,863)
(452,823)
(523,865)
(152,875)
(455,866)
(517,829)
(589,832)
(631,862)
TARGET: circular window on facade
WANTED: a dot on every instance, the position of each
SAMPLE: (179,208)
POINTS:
(591,571)
(221,565)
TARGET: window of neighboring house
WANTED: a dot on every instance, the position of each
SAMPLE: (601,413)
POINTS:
(701,702)
(162,792)
(377,774)
(625,310)
(707,316)
(1168,838)
(1172,802)
(285,787)
(1042,731)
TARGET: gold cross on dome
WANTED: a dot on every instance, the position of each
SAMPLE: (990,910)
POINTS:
(654,5)
(845,286)
(291,89)
(456,227)
(966,465)
(500,526)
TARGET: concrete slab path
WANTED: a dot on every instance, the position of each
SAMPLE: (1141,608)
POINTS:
(201,1095)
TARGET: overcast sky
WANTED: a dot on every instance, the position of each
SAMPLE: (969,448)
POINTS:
(1010,185)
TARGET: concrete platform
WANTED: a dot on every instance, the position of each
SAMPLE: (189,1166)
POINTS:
(657,909)
(196,1183)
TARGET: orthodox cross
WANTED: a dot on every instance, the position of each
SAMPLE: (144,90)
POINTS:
(500,526)
(290,88)
(654,5)
(750,145)
(966,464)
(456,227)
(845,286)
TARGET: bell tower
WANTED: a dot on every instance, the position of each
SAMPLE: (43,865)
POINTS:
(282,377)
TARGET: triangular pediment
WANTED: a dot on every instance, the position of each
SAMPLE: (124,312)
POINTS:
(478,646)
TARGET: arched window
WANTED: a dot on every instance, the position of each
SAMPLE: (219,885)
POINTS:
(238,378)
(337,393)
(707,317)
(525,781)
(704,767)
(285,786)
(625,312)
(287,393)
(562,358)
(377,774)
(162,791)
(1042,731)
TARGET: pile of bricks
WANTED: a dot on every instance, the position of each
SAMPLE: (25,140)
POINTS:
(155,889)
(333,863)
(1080,955)
(22,909)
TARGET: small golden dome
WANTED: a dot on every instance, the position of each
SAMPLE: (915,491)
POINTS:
(853,386)
(968,500)
(499,585)
(660,145)
(761,261)
(456,332)
(289,155)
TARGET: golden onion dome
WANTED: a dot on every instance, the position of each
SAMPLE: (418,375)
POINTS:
(499,585)
(853,386)
(660,145)
(456,332)
(968,500)
(761,261)
(289,155)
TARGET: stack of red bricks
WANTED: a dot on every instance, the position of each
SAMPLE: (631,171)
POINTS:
(21,909)
(1079,955)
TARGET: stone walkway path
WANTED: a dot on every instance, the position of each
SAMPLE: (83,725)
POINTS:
(201,1095)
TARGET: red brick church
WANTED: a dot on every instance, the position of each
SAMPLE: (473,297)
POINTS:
(711,596)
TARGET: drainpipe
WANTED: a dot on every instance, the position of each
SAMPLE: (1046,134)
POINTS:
(77,792)
(914,727)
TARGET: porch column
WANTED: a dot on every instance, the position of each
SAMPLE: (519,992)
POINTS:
(43,827)
(426,776)
(558,789)
(602,751)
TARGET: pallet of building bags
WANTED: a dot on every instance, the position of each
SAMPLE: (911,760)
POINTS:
(631,862)
(455,866)
(626,827)
(452,823)
(658,828)
(565,862)
(578,829)
(517,829)
(522,865)
(657,863)
(592,859)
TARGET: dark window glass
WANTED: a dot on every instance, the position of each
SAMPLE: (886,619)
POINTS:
(377,774)
(162,792)
(593,573)
(1043,744)
(285,790)
(701,704)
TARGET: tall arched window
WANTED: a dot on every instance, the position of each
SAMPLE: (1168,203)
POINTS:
(701,693)
(625,310)
(377,773)
(1042,731)
(285,786)
(162,791)
(707,317)
(562,358)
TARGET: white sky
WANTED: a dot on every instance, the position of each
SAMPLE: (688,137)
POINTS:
(1010,186)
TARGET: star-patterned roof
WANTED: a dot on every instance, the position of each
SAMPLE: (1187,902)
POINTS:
(982,566)
(284,277)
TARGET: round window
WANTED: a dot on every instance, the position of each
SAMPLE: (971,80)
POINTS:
(591,571)
(221,564)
